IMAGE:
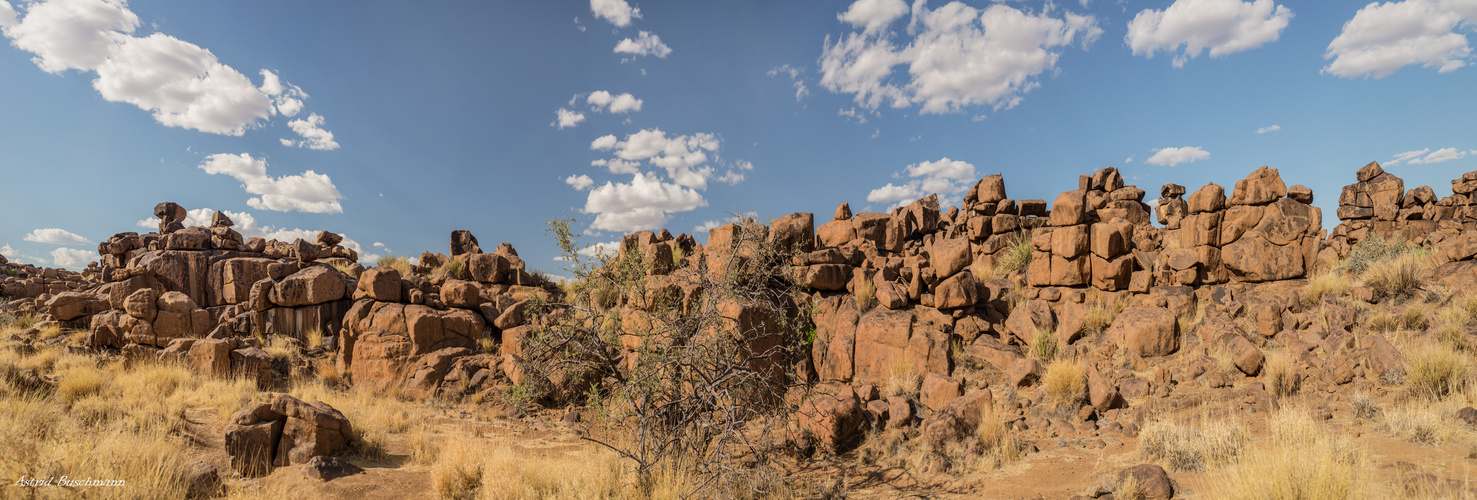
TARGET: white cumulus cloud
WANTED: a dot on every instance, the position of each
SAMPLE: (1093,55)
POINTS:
(646,43)
(1170,157)
(73,258)
(1384,37)
(306,192)
(579,182)
(959,57)
(945,177)
(617,12)
(601,100)
(178,82)
(640,204)
(1222,26)
(604,142)
(566,118)
(57,237)
(311,130)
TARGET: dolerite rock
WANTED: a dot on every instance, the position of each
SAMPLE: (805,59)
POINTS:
(462,242)
(459,293)
(380,283)
(313,429)
(1152,483)
(1262,186)
(220,219)
(1146,331)
(1370,171)
(328,468)
(1209,198)
(949,256)
(989,189)
(793,233)
(286,431)
(312,285)
(958,418)
(959,290)
(67,306)
(202,480)
(1070,209)
(833,416)
(328,239)
(843,212)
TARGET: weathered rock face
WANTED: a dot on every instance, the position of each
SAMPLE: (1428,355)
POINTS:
(380,339)
(287,431)
(312,285)
(1146,331)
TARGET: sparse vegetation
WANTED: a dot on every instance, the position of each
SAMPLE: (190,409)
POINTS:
(1101,314)
(454,269)
(1016,256)
(1044,345)
(1184,448)
(866,295)
(1395,277)
(1065,382)
(1281,374)
(902,378)
(1329,280)
(399,263)
(1302,460)
(1434,372)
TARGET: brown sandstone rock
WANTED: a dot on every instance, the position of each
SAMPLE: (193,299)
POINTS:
(1069,209)
(462,241)
(938,390)
(793,233)
(949,256)
(460,293)
(1151,481)
(1209,198)
(834,417)
(960,290)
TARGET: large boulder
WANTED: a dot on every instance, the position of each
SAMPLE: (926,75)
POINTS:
(382,283)
(312,285)
(462,242)
(949,256)
(882,337)
(312,429)
(1261,187)
(793,233)
(1146,331)
(67,306)
(958,418)
(833,416)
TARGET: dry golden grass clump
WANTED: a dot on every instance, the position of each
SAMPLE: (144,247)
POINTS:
(1329,280)
(1044,345)
(1065,382)
(399,263)
(866,295)
(1433,372)
(1101,314)
(1184,448)
(902,378)
(1301,460)
(1280,372)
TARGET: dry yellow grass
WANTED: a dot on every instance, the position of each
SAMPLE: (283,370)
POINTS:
(1044,345)
(108,421)
(1101,314)
(1329,280)
(1065,382)
(470,469)
(1185,448)
(1280,373)
(902,378)
(1433,372)
(1395,277)
(1301,460)
(866,295)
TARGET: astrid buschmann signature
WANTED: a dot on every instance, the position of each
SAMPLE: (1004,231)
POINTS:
(36,482)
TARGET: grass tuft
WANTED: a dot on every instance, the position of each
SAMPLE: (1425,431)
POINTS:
(1065,382)
(1183,448)
(902,378)
(1280,372)
(1044,345)
(1434,372)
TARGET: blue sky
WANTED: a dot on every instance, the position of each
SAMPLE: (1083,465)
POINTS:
(395,125)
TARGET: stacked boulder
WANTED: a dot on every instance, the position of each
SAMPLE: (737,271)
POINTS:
(422,332)
(1263,232)
(56,296)
(1091,235)
(1378,205)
